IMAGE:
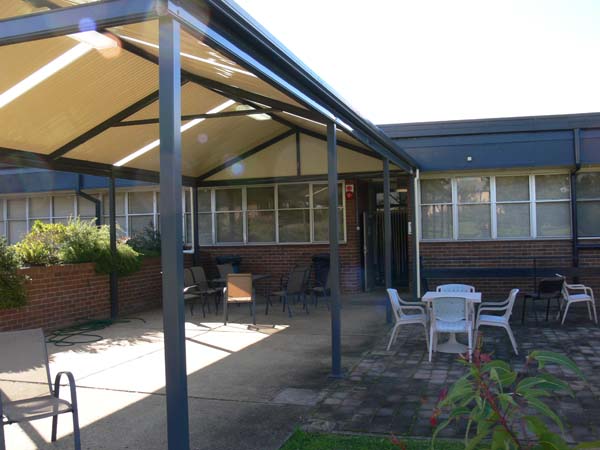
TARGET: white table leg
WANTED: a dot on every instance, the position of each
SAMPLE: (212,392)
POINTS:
(452,346)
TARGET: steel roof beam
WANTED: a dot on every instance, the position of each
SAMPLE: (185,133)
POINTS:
(249,112)
(68,20)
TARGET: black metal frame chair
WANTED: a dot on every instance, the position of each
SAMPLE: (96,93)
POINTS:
(547,289)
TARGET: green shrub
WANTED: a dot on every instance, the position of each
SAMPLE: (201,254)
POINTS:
(146,242)
(41,246)
(125,262)
(12,283)
(83,241)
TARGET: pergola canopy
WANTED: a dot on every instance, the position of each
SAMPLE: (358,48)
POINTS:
(76,118)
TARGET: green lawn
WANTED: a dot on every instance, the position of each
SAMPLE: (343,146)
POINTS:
(301,440)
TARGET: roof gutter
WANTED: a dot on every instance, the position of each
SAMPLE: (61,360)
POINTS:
(226,16)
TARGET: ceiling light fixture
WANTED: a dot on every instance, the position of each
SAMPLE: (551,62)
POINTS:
(185,127)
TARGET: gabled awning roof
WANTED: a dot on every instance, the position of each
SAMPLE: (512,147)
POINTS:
(77,117)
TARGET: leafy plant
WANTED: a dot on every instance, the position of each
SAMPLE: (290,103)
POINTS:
(146,242)
(83,241)
(12,283)
(497,401)
(41,246)
(125,262)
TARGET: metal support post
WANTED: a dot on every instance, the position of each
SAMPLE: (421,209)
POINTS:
(334,253)
(112,225)
(387,235)
(171,223)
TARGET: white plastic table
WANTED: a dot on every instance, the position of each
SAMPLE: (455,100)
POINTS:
(452,345)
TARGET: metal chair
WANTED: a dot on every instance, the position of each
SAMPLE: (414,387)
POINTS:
(224,270)
(292,287)
(191,293)
(25,387)
(239,290)
(547,289)
(320,289)
(502,321)
(449,315)
(203,288)
(400,308)
(576,293)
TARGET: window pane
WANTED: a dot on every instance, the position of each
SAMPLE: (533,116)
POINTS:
(229,227)
(86,208)
(294,226)
(474,222)
(204,200)
(63,206)
(141,202)
(321,196)
(588,185)
(436,191)
(229,199)
(513,220)
(588,219)
(510,189)
(188,235)
(553,219)
(205,229)
(261,226)
(16,230)
(436,222)
(16,208)
(473,189)
(187,195)
(321,221)
(138,223)
(552,187)
(119,204)
(2,229)
(39,207)
(293,196)
(260,198)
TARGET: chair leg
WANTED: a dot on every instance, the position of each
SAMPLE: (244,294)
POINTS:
(565,314)
(594,310)
(430,340)
(426,337)
(470,349)
(392,337)
(547,309)
(512,339)
(2,443)
(76,434)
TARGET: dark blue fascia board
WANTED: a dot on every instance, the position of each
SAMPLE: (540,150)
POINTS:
(495,155)
(590,146)
(67,20)
(496,125)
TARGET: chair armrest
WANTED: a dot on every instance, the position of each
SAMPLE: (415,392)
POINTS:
(72,387)
(489,308)
(580,287)
(187,289)
(493,304)
(420,308)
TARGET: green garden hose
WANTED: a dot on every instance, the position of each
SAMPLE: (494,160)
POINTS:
(84,332)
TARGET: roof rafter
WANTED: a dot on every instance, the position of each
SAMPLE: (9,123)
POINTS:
(249,112)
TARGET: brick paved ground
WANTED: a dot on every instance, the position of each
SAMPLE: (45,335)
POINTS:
(396,391)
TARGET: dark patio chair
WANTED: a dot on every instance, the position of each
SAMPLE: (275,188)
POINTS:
(203,287)
(292,286)
(191,292)
(321,290)
(548,289)
(26,392)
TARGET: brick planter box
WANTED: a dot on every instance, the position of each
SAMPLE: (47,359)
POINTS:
(59,296)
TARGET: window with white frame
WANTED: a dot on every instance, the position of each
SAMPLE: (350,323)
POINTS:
(436,208)
(281,213)
(588,204)
(496,207)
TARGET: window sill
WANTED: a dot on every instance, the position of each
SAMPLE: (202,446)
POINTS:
(564,238)
(266,244)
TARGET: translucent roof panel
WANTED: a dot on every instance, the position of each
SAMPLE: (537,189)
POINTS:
(15,8)
(200,59)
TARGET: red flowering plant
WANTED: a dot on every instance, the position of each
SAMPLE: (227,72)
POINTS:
(504,409)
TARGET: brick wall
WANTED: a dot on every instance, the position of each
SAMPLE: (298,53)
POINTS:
(59,296)
(277,260)
(504,254)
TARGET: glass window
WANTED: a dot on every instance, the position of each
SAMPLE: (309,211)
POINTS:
(321,219)
(86,208)
(474,218)
(588,204)
(436,191)
(205,229)
(119,204)
(260,198)
(511,189)
(293,196)
(63,206)
(204,200)
(16,230)
(552,187)
(321,196)
(261,226)
(230,227)
(138,223)
(436,221)
(16,208)
(513,220)
(294,225)
(228,199)
(141,202)
(553,219)
(39,207)
(2,228)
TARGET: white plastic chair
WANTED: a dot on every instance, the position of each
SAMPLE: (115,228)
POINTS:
(399,308)
(499,320)
(583,294)
(450,315)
